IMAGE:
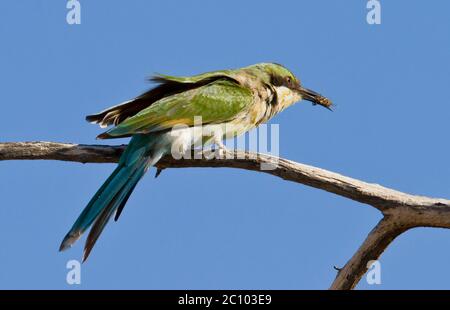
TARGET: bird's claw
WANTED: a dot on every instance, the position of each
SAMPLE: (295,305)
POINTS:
(158,172)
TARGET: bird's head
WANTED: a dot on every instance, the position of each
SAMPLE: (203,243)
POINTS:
(288,87)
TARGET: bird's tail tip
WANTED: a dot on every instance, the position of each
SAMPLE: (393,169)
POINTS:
(86,253)
(69,240)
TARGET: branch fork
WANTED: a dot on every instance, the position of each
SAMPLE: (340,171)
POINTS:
(401,211)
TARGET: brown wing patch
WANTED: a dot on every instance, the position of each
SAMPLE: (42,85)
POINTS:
(117,114)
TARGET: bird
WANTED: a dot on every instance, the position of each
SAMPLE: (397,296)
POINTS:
(229,103)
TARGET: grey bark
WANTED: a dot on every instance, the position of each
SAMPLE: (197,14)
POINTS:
(401,211)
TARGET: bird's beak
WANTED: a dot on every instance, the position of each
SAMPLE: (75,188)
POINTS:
(315,98)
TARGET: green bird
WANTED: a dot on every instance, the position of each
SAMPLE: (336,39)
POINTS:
(229,102)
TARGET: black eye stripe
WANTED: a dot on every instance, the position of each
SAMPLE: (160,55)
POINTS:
(277,80)
(287,81)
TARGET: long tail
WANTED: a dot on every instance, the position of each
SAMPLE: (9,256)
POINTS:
(114,193)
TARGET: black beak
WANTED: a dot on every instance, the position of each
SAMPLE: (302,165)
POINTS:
(315,98)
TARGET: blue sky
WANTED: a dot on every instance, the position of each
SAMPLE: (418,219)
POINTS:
(224,228)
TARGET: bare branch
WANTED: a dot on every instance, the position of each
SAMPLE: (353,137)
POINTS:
(401,211)
(371,249)
(60,151)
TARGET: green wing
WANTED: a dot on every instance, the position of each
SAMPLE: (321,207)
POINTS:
(216,102)
(230,74)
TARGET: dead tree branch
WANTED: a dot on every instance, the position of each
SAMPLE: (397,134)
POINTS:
(400,211)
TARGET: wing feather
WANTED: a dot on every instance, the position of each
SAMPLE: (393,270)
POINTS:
(219,101)
(167,86)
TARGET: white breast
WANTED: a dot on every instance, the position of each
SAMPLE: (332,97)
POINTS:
(184,138)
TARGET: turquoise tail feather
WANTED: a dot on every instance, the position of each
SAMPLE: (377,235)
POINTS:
(114,193)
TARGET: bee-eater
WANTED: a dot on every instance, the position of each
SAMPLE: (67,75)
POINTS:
(229,102)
